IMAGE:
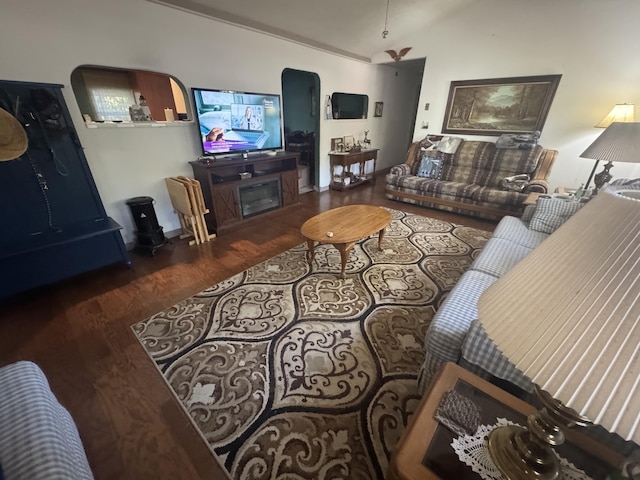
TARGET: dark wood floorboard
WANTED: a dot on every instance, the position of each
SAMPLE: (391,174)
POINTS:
(78,331)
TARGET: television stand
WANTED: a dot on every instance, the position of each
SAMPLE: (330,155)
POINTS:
(237,189)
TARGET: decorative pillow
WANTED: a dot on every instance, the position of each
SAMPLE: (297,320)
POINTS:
(429,141)
(425,143)
(430,167)
(551,213)
(449,144)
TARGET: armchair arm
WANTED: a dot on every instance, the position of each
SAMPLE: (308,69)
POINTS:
(538,186)
(400,170)
(544,165)
(413,156)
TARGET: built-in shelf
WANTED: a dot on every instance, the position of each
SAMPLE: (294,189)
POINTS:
(185,123)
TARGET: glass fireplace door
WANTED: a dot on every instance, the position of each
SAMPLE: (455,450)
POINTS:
(259,197)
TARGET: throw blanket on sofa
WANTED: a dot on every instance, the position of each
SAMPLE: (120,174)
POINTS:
(519,141)
(449,144)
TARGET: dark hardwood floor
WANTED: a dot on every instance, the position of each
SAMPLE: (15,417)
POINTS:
(78,331)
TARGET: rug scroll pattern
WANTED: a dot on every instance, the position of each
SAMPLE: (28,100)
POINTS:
(290,372)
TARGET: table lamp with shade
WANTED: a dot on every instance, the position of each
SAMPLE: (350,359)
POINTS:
(622,112)
(568,316)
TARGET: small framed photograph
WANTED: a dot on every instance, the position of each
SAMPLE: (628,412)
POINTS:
(334,143)
(377,112)
(349,142)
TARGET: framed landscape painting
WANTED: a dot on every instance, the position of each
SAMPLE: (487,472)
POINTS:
(499,105)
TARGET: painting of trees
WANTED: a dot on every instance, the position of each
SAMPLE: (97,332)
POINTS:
(497,106)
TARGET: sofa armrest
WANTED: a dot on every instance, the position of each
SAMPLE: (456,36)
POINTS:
(38,438)
(400,170)
(547,157)
(537,186)
(443,342)
(479,350)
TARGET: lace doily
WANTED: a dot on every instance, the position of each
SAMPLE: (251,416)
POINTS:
(473,451)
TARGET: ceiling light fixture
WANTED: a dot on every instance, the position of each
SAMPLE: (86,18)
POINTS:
(385,32)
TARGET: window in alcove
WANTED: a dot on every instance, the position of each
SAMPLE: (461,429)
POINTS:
(106,93)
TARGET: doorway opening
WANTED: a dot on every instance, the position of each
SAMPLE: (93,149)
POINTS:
(414,71)
(301,116)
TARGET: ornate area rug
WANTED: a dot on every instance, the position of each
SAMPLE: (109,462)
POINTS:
(290,373)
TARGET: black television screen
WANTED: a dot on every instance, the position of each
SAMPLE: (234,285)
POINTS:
(231,121)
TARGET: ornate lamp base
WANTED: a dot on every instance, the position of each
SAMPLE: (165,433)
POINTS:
(519,458)
(603,177)
(524,453)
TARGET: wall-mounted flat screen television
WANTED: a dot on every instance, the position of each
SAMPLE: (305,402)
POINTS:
(234,122)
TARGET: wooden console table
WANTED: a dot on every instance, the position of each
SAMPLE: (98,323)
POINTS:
(223,187)
(349,175)
(424,452)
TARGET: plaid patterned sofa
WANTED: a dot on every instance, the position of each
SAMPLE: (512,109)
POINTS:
(38,438)
(471,179)
(455,335)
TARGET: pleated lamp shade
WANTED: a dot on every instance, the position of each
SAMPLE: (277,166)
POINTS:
(622,112)
(568,315)
(620,142)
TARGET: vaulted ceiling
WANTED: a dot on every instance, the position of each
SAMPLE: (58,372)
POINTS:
(349,27)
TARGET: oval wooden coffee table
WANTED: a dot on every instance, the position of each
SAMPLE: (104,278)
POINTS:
(343,227)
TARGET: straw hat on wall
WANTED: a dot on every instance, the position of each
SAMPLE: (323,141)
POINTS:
(13,138)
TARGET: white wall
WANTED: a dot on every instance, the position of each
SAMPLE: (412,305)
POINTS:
(400,88)
(44,41)
(593,44)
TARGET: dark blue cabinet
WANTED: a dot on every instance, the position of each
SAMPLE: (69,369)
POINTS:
(52,221)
